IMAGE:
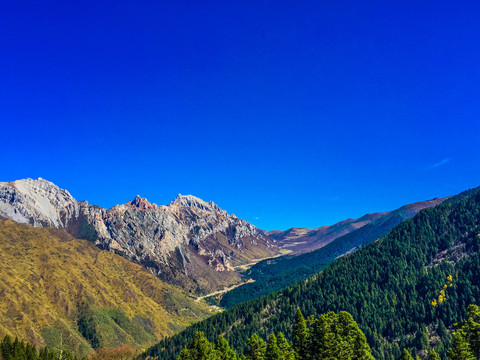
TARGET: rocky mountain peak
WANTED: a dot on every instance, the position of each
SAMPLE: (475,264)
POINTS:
(39,186)
(185,243)
(194,202)
(37,202)
(140,203)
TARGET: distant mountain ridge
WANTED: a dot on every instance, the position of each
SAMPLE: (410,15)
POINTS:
(185,242)
(301,240)
(275,274)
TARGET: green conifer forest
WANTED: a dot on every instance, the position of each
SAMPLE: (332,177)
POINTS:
(406,290)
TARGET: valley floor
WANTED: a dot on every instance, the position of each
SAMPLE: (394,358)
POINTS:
(227,289)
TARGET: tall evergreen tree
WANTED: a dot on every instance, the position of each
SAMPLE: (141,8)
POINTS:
(224,350)
(199,349)
(185,354)
(19,349)
(338,336)
(273,351)
(424,338)
(256,348)
(406,355)
(460,349)
(471,328)
(285,347)
(432,355)
(301,338)
(6,346)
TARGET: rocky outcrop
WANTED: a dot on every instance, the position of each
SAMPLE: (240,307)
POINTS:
(190,242)
(38,203)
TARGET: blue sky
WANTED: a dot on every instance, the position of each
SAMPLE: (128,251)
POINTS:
(285,113)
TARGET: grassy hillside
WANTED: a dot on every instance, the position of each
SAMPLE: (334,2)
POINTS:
(55,288)
(404,290)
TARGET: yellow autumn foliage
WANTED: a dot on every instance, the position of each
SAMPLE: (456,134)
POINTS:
(47,275)
(442,296)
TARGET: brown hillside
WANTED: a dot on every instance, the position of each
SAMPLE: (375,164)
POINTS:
(55,288)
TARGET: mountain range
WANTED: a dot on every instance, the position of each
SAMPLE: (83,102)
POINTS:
(406,290)
(190,243)
(90,277)
(301,240)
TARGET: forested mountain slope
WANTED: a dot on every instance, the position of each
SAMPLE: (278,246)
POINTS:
(276,274)
(403,290)
(56,289)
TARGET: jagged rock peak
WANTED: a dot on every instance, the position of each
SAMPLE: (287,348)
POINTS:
(197,203)
(207,239)
(141,203)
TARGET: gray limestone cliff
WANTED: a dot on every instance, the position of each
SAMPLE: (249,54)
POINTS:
(190,242)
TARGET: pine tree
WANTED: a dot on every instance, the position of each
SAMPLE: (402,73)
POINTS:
(337,336)
(6,346)
(424,338)
(460,349)
(285,347)
(256,348)
(324,343)
(18,349)
(185,355)
(432,355)
(30,352)
(406,355)
(354,337)
(301,336)
(199,349)
(471,327)
(273,351)
(224,350)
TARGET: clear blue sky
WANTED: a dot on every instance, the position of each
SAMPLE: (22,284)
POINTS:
(286,113)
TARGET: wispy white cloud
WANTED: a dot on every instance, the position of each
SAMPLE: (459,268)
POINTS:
(440,163)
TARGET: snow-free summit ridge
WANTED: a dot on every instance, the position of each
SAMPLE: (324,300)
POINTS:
(189,242)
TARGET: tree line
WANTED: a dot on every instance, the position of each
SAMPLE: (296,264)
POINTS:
(331,336)
(14,349)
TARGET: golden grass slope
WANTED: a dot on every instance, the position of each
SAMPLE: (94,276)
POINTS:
(54,288)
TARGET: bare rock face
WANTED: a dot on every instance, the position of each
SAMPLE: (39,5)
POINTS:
(141,204)
(38,203)
(190,242)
